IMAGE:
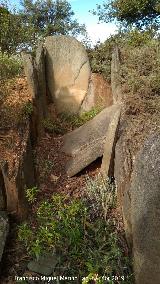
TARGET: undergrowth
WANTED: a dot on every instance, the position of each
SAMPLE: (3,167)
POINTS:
(140,70)
(10,66)
(65,122)
(80,232)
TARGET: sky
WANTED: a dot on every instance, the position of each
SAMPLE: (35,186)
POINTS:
(96,31)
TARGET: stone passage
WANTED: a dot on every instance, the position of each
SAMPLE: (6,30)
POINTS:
(67,72)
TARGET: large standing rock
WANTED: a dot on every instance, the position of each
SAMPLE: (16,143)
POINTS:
(115,77)
(41,77)
(35,73)
(67,72)
(4,228)
(145,212)
(86,143)
(107,167)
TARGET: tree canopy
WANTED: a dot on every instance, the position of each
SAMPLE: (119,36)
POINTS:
(139,13)
(12,30)
(34,21)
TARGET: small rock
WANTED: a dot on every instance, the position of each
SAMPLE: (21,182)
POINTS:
(45,265)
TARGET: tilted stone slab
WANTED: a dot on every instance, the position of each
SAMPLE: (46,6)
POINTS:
(4,228)
(68,72)
(85,144)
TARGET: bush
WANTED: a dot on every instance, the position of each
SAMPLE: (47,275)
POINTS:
(101,55)
(10,67)
(85,243)
(140,69)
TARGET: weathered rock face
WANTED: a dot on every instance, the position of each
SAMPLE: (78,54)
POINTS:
(99,95)
(102,91)
(4,228)
(145,212)
(35,73)
(86,143)
(20,178)
(67,72)
(115,78)
(107,167)
(123,166)
(138,184)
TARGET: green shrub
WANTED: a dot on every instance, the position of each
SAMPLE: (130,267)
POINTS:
(85,243)
(10,67)
(72,121)
(140,69)
(27,109)
(102,193)
(53,126)
(101,55)
(31,194)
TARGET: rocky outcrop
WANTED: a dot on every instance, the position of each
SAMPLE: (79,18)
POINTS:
(4,228)
(85,144)
(68,72)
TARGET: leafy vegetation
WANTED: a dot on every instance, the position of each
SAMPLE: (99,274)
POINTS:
(73,120)
(27,109)
(9,66)
(31,194)
(140,69)
(13,32)
(24,28)
(86,243)
(142,14)
(66,121)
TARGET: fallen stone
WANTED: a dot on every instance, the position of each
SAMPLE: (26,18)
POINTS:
(4,228)
(67,72)
(85,144)
(45,265)
(107,167)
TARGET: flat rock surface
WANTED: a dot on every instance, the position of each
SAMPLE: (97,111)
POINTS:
(85,144)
